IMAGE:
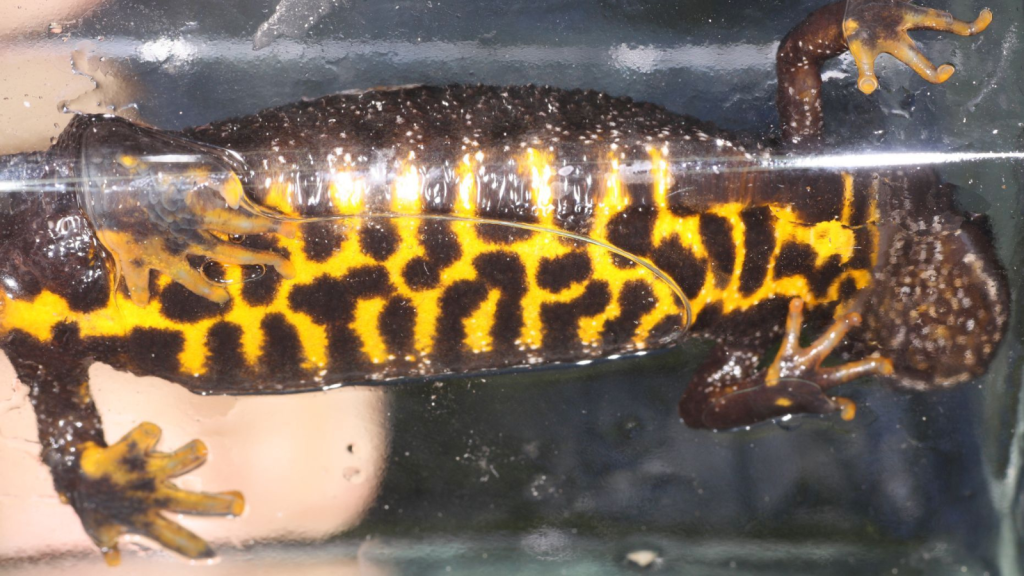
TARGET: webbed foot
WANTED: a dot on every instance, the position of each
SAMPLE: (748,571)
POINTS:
(156,199)
(137,256)
(796,366)
(872,28)
(727,392)
(193,216)
(123,488)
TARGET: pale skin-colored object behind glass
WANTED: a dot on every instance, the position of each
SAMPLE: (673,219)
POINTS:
(308,464)
(42,70)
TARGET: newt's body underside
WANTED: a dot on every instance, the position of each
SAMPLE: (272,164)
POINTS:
(472,228)
(424,231)
(619,240)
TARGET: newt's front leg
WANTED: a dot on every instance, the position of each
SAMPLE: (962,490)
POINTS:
(726,392)
(117,489)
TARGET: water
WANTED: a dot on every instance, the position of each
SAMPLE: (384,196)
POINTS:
(565,471)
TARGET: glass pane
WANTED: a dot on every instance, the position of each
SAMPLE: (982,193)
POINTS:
(493,313)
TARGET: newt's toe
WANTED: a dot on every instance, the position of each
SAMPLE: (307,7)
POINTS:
(124,488)
(881,27)
(795,363)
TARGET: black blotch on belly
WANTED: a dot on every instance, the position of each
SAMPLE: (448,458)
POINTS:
(759,244)
(847,289)
(502,234)
(282,350)
(823,277)
(224,352)
(396,324)
(441,249)
(798,259)
(863,247)
(421,274)
(85,295)
(680,209)
(263,242)
(635,300)
(621,262)
(716,234)
(557,274)
(154,351)
(440,244)
(85,290)
(67,334)
(180,304)
(261,291)
(795,259)
(378,238)
(504,271)
(216,272)
(458,301)
(632,229)
(861,200)
(668,327)
(320,240)
(689,272)
(707,317)
(561,319)
(331,302)
(754,328)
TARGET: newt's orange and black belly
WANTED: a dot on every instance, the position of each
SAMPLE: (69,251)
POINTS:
(592,227)
(474,228)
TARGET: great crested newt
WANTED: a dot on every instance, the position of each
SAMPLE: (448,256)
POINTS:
(424,231)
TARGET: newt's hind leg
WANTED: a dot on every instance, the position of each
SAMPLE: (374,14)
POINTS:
(125,487)
(726,393)
(116,489)
(866,28)
(872,27)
